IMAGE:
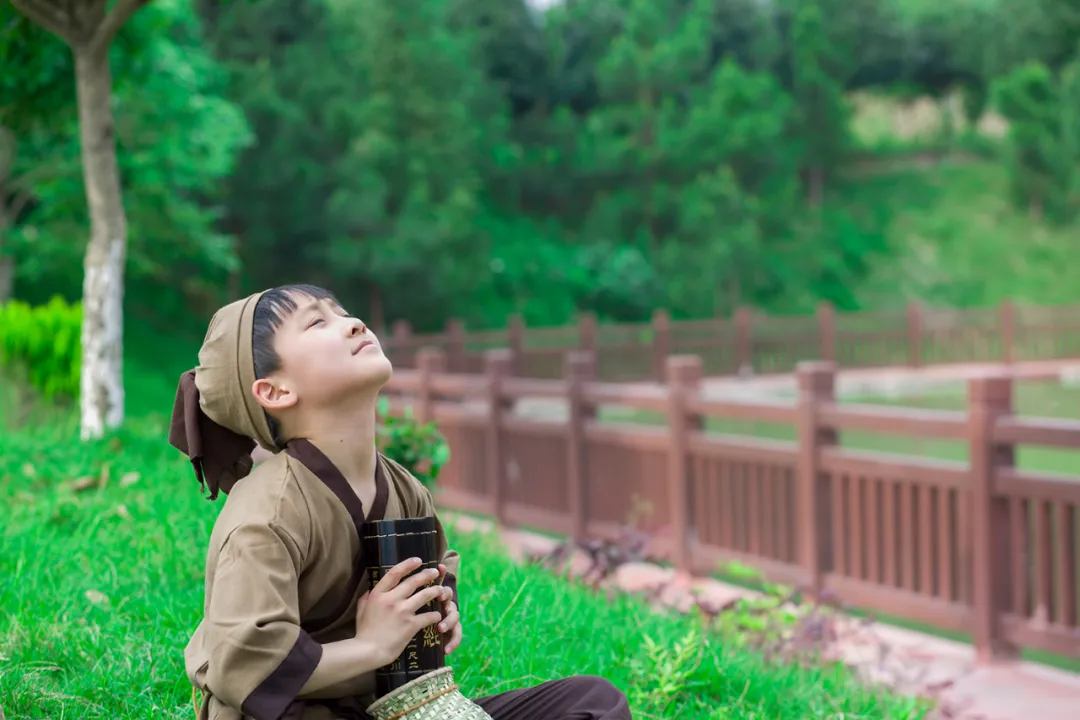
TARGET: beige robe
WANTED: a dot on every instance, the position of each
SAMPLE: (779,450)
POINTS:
(283,576)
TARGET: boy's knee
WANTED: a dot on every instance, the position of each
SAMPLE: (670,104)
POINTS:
(596,688)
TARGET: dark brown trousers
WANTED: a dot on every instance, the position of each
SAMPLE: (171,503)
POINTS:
(581,697)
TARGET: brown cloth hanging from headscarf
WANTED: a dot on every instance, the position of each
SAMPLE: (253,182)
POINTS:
(216,420)
(194,434)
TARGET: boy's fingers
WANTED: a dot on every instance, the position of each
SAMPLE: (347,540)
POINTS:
(455,640)
(452,619)
(422,598)
(393,576)
(410,585)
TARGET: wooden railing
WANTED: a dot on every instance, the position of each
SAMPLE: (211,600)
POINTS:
(762,343)
(973,544)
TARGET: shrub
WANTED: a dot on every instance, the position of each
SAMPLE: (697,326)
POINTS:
(419,447)
(43,344)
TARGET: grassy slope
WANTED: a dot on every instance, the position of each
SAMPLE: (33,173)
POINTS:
(102,588)
(957,240)
(955,236)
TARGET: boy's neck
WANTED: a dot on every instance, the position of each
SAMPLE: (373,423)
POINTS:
(348,440)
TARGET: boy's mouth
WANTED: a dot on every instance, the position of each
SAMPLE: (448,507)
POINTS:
(361,346)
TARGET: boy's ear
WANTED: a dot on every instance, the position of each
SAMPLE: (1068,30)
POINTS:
(272,396)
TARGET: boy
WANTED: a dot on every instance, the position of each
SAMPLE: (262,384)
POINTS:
(291,628)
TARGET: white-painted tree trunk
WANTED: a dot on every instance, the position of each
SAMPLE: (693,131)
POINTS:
(101,386)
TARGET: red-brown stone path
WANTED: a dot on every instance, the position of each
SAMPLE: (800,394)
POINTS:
(1011,691)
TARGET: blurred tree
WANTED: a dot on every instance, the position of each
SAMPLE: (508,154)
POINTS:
(1070,135)
(408,189)
(88,27)
(40,92)
(819,72)
(176,138)
(507,37)
(1029,97)
(290,71)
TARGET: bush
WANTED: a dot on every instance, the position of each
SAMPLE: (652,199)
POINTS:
(43,344)
(419,447)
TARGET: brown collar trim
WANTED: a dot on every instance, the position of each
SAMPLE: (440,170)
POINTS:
(314,460)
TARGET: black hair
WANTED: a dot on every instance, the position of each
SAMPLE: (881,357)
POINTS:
(270,312)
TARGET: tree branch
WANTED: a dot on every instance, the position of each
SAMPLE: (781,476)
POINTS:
(115,19)
(48,16)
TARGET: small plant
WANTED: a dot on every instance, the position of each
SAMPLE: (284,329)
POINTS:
(419,447)
(43,344)
(663,675)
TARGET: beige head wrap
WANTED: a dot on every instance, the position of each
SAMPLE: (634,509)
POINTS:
(216,420)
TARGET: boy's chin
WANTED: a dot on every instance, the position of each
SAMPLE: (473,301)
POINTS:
(374,375)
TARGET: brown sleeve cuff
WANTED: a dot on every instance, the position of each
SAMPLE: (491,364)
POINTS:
(450,581)
(272,697)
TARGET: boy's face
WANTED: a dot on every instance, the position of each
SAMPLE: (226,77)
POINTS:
(326,356)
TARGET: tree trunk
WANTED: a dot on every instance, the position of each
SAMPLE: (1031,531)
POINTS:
(7,263)
(375,307)
(7,278)
(235,284)
(815,189)
(101,386)
(1035,208)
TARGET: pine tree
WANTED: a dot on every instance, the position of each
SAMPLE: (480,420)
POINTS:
(817,72)
(409,187)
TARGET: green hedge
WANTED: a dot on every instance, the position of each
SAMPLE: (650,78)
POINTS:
(43,344)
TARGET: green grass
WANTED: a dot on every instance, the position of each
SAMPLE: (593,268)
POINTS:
(102,588)
(955,239)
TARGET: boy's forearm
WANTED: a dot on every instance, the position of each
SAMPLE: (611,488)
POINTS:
(342,662)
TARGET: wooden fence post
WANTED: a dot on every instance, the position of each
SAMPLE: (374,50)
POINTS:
(683,377)
(455,346)
(401,336)
(814,526)
(1007,330)
(580,368)
(744,334)
(989,400)
(515,342)
(429,361)
(497,365)
(914,334)
(826,317)
(661,343)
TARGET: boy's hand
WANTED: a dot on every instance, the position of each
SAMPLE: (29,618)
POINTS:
(450,627)
(386,615)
